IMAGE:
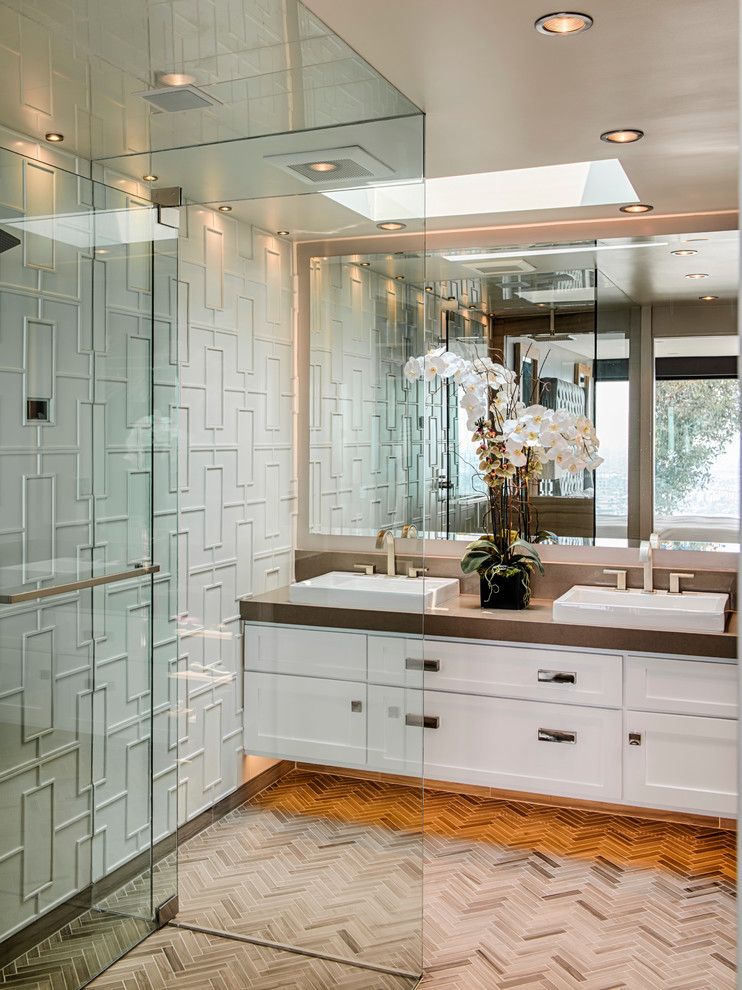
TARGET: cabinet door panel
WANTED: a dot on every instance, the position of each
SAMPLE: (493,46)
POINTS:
(312,652)
(682,687)
(394,745)
(496,742)
(312,719)
(681,761)
(531,673)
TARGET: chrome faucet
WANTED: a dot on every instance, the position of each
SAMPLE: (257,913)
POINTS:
(645,556)
(409,532)
(386,539)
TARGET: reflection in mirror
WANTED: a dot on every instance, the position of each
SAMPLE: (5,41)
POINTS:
(589,327)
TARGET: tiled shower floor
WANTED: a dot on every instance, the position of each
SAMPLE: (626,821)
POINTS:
(516,896)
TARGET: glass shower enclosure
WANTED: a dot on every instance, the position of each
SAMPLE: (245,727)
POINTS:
(88,509)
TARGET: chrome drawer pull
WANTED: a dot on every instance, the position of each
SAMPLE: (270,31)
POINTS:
(423,721)
(430,666)
(557,736)
(557,677)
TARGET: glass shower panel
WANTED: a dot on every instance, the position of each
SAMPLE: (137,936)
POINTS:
(77,612)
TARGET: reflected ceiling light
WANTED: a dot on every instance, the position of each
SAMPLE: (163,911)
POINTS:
(283,233)
(451,298)
(391,225)
(54,137)
(225,209)
(399,276)
(697,275)
(176,79)
(564,22)
(707,298)
(577,249)
(624,135)
(471,307)
(636,208)
(150,178)
(364,264)
(323,166)
(685,253)
(428,288)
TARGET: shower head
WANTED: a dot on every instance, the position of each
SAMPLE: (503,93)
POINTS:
(7,241)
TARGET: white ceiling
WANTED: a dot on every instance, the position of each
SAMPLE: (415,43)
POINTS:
(499,95)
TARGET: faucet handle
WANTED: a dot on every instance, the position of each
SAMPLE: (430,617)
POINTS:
(675,582)
(366,568)
(416,572)
(620,578)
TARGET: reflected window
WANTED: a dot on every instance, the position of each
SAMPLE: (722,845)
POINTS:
(612,478)
(697,441)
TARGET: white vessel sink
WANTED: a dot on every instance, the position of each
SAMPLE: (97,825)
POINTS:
(396,593)
(693,610)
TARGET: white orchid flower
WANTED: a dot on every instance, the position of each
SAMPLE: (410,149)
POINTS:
(515,453)
(413,369)
(434,366)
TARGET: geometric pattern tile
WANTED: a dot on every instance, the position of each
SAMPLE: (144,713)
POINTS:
(287,867)
(73,954)
(174,959)
(516,895)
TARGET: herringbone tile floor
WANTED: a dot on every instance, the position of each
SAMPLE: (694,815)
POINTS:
(516,896)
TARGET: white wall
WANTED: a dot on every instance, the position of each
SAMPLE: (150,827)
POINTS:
(237,485)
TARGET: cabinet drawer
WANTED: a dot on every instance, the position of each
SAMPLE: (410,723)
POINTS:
(686,687)
(311,652)
(521,672)
(563,750)
(315,720)
(681,761)
(396,660)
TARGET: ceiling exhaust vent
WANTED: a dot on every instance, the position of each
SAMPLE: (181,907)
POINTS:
(331,165)
(174,99)
(508,266)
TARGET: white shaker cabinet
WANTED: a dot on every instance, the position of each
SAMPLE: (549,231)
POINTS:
(305,718)
(652,731)
(680,761)
(523,746)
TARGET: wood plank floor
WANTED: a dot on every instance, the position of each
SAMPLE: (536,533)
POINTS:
(516,896)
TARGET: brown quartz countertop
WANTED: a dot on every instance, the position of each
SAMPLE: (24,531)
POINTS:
(464,619)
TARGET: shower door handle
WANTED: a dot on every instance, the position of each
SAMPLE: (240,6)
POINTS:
(13,598)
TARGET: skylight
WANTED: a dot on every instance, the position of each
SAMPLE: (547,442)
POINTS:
(547,187)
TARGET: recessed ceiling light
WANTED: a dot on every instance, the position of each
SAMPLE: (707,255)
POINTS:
(323,166)
(471,307)
(150,178)
(176,79)
(428,288)
(685,253)
(636,208)
(364,264)
(451,298)
(564,22)
(543,304)
(225,209)
(283,233)
(697,275)
(54,137)
(399,276)
(391,225)
(707,298)
(624,135)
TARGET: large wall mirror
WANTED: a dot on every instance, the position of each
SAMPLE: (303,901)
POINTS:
(638,334)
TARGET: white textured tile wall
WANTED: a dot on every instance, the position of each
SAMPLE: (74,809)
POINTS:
(376,449)
(237,485)
(75,695)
